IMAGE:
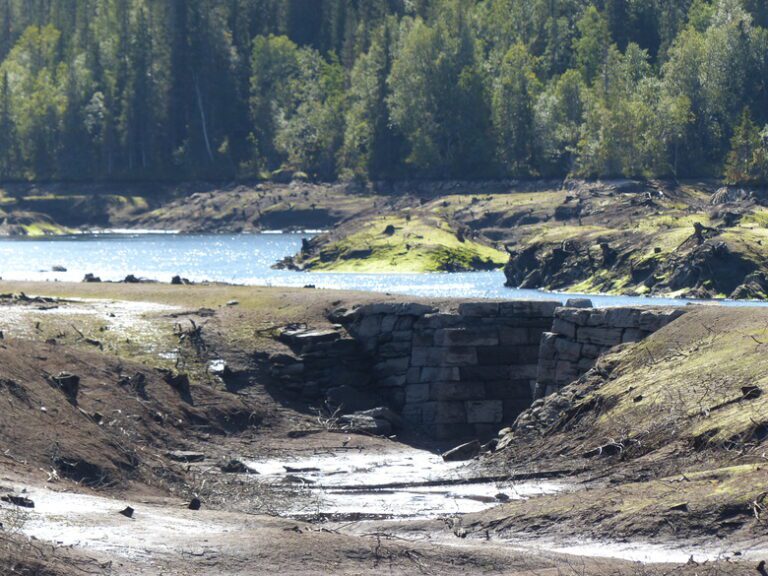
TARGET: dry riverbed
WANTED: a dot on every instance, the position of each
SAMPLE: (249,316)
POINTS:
(303,500)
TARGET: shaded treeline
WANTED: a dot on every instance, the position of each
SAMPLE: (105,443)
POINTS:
(383,89)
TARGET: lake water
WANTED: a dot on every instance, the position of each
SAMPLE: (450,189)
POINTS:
(239,259)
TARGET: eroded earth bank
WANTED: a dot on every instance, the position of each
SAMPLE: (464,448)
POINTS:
(209,429)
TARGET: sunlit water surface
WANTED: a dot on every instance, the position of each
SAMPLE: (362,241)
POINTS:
(239,259)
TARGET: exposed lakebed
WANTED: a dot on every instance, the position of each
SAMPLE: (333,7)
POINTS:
(242,259)
(403,483)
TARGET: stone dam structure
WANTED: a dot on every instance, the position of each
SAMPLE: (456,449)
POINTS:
(457,373)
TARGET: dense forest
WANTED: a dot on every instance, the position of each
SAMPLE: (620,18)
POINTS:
(383,89)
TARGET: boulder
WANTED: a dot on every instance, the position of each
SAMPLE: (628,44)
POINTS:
(383,413)
(365,424)
(464,452)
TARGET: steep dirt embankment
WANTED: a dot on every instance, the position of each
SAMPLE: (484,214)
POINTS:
(672,431)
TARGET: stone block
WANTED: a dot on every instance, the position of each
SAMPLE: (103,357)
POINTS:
(484,411)
(564,328)
(592,351)
(391,366)
(623,317)
(509,355)
(522,355)
(463,337)
(388,323)
(397,381)
(516,336)
(578,303)
(423,338)
(438,356)
(585,364)
(396,308)
(566,371)
(450,412)
(547,345)
(485,373)
(415,393)
(413,376)
(427,356)
(524,371)
(402,336)
(600,336)
(404,323)
(519,322)
(634,335)
(567,349)
(440,374)
(451,431)
(493,355)
(412,414)
(443,391)
(395,350)
(368,326)
(597,318)
(460,356)
(396,398)
(529,308)
(518,390)
(479,309)
(547,373)
(435,321)
(574,315)
(653,320)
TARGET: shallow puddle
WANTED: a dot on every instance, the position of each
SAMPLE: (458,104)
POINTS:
(408,483)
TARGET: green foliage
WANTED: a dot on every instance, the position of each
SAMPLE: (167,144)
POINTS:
(380,89)
(513,111)
(748,159)
(438,97)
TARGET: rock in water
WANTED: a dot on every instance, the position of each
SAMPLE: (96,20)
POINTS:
(464,452)
(195,504)
(127,512)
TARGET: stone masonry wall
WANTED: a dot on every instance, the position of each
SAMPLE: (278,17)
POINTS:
(580,335)
(455,374)
(462,373)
